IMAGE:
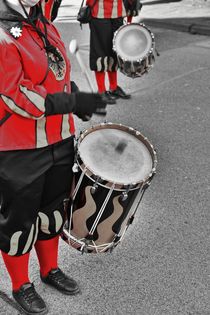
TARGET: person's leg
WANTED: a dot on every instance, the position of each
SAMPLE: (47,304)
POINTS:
(49,271)
(23,290)
(47,262)
(20,201)
(100,80)
(112,80)
(115,90)
(17,267)
(101,59)
(57,187)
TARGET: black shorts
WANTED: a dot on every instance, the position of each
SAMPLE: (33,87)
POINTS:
(33,184)
(102,56)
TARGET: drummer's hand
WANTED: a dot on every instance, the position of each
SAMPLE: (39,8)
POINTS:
(88,104)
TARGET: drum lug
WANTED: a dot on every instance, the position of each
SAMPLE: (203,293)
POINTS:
(124,196)
(75,168)
(94,188)
(95,185)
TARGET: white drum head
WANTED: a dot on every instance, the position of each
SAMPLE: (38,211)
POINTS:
(133,42)
(116,156)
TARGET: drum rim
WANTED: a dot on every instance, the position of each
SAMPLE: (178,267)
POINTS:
(131,130)
(150,52)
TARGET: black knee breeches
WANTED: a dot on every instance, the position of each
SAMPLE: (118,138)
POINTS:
(33,185)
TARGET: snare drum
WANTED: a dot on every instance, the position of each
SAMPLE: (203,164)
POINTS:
(134,45)
(114,165)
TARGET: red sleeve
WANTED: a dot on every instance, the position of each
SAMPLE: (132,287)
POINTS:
(17,93)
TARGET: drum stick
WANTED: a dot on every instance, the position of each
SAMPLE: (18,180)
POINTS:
(74,49)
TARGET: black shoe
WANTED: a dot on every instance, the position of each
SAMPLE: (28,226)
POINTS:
(108,98)
(57,279)
(119,93)
(29,300)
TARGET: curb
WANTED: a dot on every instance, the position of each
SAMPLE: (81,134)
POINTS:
(182,26)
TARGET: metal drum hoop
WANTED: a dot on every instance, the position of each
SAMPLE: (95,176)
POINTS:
(129,25)
(104,182)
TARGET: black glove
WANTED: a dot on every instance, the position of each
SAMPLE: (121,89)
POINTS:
(80,103)
(88,104)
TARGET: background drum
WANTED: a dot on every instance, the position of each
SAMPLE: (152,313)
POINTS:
(134,45)
(114,166)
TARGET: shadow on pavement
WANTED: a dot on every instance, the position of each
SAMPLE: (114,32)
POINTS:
(159,2)
(9,301)
(190,25)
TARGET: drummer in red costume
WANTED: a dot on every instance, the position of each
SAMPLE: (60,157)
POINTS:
(107,16)
(36,146)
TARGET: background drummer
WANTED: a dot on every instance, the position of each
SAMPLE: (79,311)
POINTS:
(107,16)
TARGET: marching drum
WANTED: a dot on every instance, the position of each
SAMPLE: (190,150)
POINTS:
(134,45)
(114,165)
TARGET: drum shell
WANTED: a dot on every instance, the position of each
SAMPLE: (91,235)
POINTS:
(102,208)
(143,64)
(114,217)
(135,69)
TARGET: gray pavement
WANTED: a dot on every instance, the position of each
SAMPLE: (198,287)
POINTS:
(162,267)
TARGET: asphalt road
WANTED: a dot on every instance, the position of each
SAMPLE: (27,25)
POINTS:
(162,267)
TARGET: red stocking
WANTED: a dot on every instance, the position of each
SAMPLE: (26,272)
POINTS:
(100,79)
(112,80)
(47,253)
(17,267)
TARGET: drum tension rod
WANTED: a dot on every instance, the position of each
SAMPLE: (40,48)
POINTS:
(124,194)
(95,185)
(75,168)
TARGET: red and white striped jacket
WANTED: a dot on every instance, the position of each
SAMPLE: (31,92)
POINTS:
(107,9)
(27,76)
